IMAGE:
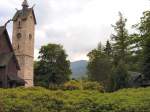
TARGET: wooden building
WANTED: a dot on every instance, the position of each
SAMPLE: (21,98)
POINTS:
(8,63)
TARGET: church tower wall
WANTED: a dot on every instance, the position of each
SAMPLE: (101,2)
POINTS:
(23,42)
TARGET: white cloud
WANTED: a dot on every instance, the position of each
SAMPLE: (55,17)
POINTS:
(76,24)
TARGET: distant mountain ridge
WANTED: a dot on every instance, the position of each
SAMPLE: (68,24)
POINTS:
(79,68)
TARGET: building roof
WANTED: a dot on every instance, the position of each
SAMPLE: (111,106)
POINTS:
(23,14)
(4,57)
(2,29)
(15,78)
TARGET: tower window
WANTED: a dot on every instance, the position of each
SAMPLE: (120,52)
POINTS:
(18,47)
(19,35)
(19,24)
(30,36)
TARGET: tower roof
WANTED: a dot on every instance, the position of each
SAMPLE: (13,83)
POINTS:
(25,4)
(24,14)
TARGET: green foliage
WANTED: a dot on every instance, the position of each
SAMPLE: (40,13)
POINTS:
(90,85)
(108,49)
(72,85)
(144,28)
(52,67)
(121,40)
(119,78)
(99,65)
(42,100)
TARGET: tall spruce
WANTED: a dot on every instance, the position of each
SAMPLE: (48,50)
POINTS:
(119,76)
(108,49)
(144,28)
(120,38)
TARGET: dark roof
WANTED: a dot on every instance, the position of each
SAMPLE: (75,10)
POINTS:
(3,30)
(23,14)
(15,78)
(5,59)
(134,75)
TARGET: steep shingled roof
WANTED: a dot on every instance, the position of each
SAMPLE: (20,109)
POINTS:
(4,57)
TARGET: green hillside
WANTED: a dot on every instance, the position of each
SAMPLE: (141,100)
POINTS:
(42,100)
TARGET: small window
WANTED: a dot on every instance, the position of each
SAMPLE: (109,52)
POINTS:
(18,47)
(30,36)
(19,35)
(19,24)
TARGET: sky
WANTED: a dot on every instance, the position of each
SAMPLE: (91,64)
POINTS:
(78,25)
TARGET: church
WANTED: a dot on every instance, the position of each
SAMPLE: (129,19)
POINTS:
(17,58)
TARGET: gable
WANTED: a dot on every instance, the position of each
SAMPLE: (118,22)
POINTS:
(5,44)
(6,49)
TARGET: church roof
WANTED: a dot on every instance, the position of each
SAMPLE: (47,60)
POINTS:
(15,78)
(5,57)
(23,14)
(3,30)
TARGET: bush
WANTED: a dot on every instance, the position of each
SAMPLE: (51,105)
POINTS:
(89,85)
(72,85)
(42,100)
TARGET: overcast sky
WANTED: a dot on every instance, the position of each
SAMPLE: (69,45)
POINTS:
(76,24)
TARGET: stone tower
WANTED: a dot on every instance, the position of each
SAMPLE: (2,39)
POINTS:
(24,22)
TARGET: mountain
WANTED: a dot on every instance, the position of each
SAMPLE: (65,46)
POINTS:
(79,68)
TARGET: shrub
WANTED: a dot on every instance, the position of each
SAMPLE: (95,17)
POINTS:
(89,85)
(72,85)
(43,100)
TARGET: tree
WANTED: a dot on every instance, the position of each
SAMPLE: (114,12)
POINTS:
(53,66)
(121,43)
(119,78)
(99,65)
(144,28)
(108,49)
(136,49)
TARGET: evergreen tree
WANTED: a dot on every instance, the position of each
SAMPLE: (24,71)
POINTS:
(119,77)
(144,29)
(99,65)
(121,43)
(108,49)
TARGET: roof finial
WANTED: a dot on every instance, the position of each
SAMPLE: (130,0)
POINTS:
(25,4)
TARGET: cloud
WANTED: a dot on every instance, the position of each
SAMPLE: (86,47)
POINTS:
(76,24)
